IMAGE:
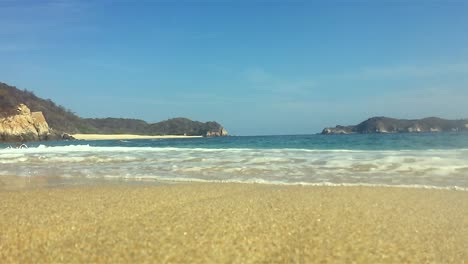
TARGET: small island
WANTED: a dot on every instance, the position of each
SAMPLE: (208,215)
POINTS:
(393,125)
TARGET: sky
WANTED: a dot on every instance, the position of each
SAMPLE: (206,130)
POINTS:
(257,67)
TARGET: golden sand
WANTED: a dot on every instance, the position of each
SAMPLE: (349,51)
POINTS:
(232,223)
(125,136)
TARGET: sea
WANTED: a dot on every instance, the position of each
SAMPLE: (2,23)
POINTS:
(421,160)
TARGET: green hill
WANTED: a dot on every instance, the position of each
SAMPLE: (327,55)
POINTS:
(62,120)
(58,117)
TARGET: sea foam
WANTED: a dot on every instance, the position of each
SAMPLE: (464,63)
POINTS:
(444,168)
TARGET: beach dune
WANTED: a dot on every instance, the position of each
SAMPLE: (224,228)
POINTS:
(235,223)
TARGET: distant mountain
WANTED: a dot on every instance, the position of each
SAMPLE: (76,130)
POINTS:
(61,120)
(392,125)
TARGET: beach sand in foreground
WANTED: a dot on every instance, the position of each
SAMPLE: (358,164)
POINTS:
(125,136)
(235,223)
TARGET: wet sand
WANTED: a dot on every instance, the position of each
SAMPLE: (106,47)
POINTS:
(230,223)
(125,136)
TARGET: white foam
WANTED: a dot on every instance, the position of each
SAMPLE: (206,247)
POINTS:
(278,166)
(320,184)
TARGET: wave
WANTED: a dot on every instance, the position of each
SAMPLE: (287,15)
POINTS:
(440,167)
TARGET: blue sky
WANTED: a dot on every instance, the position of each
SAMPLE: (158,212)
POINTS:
(257,67)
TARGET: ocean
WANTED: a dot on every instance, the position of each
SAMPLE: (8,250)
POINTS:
(426,160)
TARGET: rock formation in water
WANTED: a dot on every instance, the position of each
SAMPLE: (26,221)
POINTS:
(392,125)
(221,132)
(24,125)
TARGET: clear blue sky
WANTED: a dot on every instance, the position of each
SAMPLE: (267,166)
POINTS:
(257,67)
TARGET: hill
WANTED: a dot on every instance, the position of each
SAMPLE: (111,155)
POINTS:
(61,120)
(58,117)
(174,126)
(393,125)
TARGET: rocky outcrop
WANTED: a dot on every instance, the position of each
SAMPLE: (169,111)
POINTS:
(221,132)
(66,136)
(40,123)
(24,126)
(392,125)
(338,130)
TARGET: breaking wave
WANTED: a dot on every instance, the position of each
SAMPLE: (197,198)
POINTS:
(443,168)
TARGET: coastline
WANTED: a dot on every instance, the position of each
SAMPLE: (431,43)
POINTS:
(118,221)
(126,136)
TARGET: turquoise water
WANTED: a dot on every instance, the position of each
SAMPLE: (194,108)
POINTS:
(415,160)
(402,141)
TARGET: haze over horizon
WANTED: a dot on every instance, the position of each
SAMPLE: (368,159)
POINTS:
(256,67)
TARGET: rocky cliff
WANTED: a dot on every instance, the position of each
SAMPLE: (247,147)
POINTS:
(58,117)
(24,125)
(392,125)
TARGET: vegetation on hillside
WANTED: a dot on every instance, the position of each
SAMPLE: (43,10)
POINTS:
(174,126)
(63,120)
(57,116)
(392,125)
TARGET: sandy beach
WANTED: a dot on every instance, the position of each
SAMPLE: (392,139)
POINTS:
(125,136)
(230,223)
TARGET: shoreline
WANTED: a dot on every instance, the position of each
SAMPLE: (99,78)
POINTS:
(126,136)
(14,182)
(128,221)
